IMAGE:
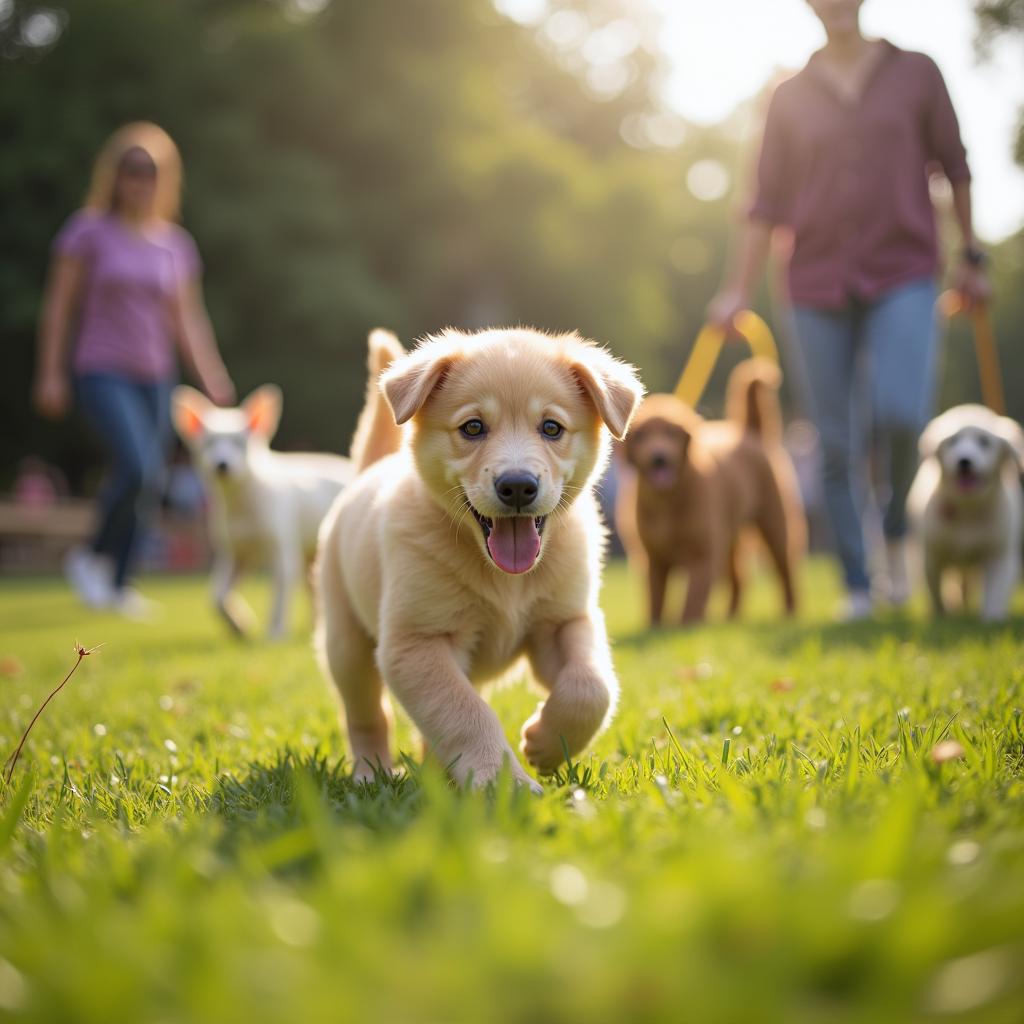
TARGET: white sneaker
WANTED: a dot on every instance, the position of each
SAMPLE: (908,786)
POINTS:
(133,605)
(859,606)
(91,577)
(899,578)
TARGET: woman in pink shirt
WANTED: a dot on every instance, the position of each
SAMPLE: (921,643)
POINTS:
(849,145)
(124,291)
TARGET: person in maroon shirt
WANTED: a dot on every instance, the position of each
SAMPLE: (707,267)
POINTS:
(849,145)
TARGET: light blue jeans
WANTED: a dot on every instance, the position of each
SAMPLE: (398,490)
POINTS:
(132,421)
(870,377)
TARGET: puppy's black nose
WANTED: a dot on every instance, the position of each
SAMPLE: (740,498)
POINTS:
(517,490)
(222,468)
(964,466)
(659,461)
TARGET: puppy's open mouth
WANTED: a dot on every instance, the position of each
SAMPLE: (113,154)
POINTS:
(967,479)
(513,542)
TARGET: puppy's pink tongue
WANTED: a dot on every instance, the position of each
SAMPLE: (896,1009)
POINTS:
(514,543)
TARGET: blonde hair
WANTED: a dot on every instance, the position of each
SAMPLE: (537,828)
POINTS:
(160,147)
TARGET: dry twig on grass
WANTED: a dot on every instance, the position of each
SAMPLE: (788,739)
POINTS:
(12,761)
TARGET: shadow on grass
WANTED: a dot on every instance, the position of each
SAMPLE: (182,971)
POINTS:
(783,637)
(275,791)
(294,810)
(279,813)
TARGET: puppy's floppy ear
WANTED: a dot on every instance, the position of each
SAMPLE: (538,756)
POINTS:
(408,381)
(682,431)
(188,411)
(263,410)
(931,438)
(1013,437)
(613,386)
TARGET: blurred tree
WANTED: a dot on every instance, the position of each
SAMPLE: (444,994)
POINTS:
(351,164)
(960,374)
(996,17)
(347,164)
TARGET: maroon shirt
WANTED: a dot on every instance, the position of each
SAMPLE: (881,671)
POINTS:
(851,178)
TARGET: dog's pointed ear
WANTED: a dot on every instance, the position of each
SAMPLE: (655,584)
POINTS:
(188,412)
(263,410)
(1013,437)
(612,385)
(409,380)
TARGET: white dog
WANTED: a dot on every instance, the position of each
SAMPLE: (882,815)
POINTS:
(470,540)
(966,503)
(267,505)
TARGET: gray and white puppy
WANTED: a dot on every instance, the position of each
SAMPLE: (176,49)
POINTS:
(966,504)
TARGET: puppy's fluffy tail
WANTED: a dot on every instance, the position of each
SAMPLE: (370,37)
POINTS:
(377,434)
(752,400)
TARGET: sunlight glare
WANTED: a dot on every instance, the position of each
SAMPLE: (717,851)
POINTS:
(722,55)
(526,12)
(708,180)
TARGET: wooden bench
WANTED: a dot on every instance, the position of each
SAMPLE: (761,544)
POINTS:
(35,538)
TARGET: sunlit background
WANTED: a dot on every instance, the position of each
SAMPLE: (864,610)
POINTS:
(722,54)
(575,164)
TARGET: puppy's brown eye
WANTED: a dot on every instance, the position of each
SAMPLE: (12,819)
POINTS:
(552,429)
(473,428)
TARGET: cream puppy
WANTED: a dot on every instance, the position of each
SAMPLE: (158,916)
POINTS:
(266,506)
(473,541)
(965,503)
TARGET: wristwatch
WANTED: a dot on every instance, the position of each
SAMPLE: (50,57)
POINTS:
(973,256)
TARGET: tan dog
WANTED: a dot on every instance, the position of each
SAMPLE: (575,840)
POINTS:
(699,483)
(474,541)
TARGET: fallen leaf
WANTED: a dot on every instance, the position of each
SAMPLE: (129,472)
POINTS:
(947,750)
(11,667)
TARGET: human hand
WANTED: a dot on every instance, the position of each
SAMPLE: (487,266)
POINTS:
(723,309)
(971,283)
(220,389)
(51,395)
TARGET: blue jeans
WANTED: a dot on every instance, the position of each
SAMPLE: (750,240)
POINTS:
(132,421)
(870,371)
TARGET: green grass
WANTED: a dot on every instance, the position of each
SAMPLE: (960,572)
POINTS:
(761,835)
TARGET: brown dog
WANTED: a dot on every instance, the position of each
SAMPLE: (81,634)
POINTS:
(699,483)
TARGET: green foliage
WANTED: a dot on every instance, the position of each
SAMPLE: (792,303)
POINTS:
(763,833)
(407,164)
(413,165)
(994,18)
(998,16)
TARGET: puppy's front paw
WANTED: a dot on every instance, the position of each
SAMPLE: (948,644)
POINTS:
(365,772)
(542,746)
(566,722)
(480,771)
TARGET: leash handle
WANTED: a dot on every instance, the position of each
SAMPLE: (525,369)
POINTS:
(694,378)
(951,303)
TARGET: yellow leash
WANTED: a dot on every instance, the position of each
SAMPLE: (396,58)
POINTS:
(694,378)
(951,304)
